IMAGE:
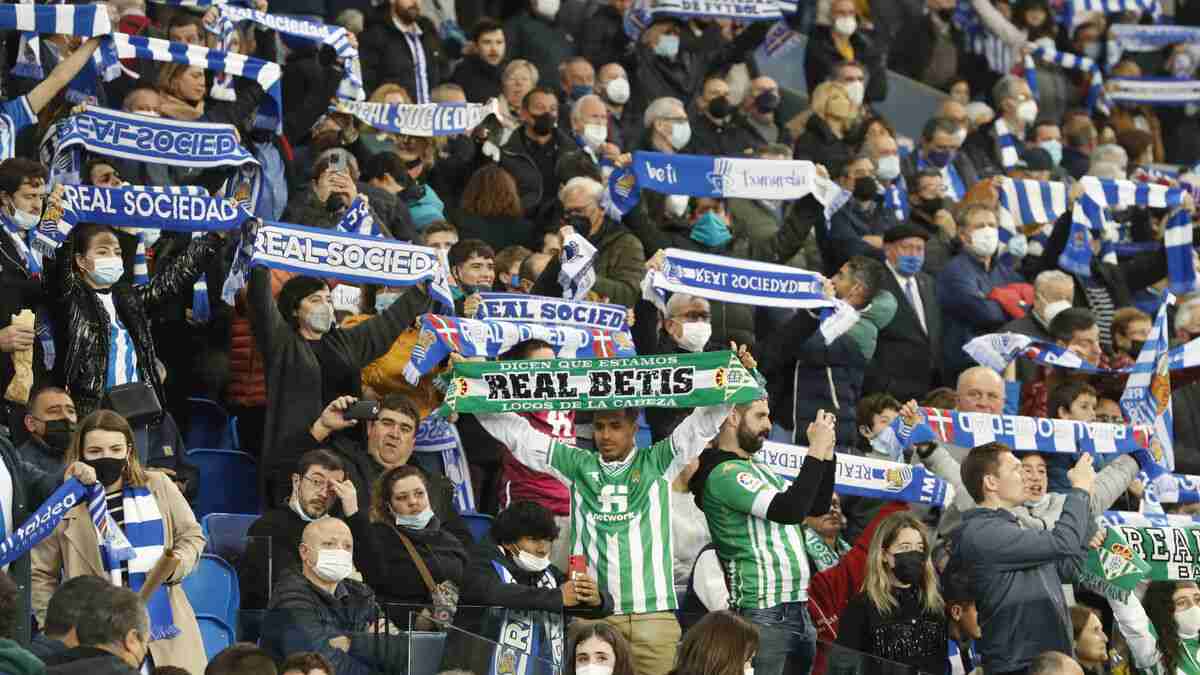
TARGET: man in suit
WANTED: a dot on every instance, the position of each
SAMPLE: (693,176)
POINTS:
(939,149)
(907,361)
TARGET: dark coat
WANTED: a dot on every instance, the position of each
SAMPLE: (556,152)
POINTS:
(818,144)
(1185,401)
(907,362)
(602,39)
(31,487)
(962,164)
(963,287)
(386,56)
(87,661)
(820,56)
(479,79)
(499,231)
(395,576)
(909,634)
(983,149)
(912,53)
(540,41)
(537,184)
(844,238)
(310,79)
(302,618)
(727,140)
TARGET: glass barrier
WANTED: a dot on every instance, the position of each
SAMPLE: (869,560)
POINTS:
(256,577)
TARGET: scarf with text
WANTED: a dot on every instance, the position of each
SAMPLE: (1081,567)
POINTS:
(530,641)
(660,381)
(868,477)
(577,267)
(1146,400)
(437,434)
(822,555)
(997,350)
(42,522)
(1153,91)
(420,119)
(441,335)
(522,308)
(1115,568)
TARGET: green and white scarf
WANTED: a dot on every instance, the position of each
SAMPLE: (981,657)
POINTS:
(657,381)
(820,553)
(1130,554)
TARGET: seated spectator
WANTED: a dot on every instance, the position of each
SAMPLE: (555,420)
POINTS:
(319,487)
(1016,106)
(857,228)
(940,150)
(1053,291)
(155,517)
(1054,663)
(1160,629)
(114,637)
(721,643)
(595,647)
(60,632)
(242,658)
(824,139)
(1080,140)
(318,607)
(491,209)
(1091,644)
(756,118)
(963,621)
(410,552)
(51,424)
(829,45)
(929,209)
(1015,571)
(899,616)
(513,573)
(306,663)
(1076,330)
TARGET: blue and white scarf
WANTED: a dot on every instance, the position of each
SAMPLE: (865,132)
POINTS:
(146,533)
(754,10)
(266,73)
(335,37)
(1154,91)
(1077,8)
(27,245)
(746,282)
(997,350)
(869,477)
(82,20)
(358,220)
(199,145)
(1134,519)
(528,638)
(895,198)
(1032,202)
(1151,38)
(1007,143)
(1088,216)
(441,335)
(42,522)
(437,434)
(722,178)
(1146,400)
(420,119)
(1069,61)
(1176,489)
(1181,254)
(577,267)
(1031,434)
(522,308)
(186,208)
(780,40)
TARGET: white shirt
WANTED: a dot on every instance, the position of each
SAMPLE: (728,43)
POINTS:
(689,529)
(122,356)
(919,306)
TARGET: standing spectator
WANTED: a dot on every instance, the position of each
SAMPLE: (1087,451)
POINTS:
(403,47)
(479,73)
(907,359)
(620,258)
(965,287)
(1015,105)
(1053,292)
(845,40)
(823,542)
(1080,139)
(929,48)
(824,139)
(1018,573)
(532,153)
(963,626)
(602,39)
(534,35)
(612,85)
(928,210)
(857,228)
(713,129)
(757,114)
(940,150)
(1161,630)
(899,615)
(722,643)
(491,209)
(51,424)
(114,636)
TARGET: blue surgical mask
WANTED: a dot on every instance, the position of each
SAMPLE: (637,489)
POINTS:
(1054,148)
(908,265)
(940,158)
(579,91)
(108,270)
(514,282)
(415,522)
(711,231)
(384,300)
(667,46)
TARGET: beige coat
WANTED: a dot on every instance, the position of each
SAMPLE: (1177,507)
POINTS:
(73,550)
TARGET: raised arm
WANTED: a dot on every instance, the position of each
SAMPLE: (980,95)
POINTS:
(63,73)
(1139,633)
(691,437)
(812,491)
(1017,548)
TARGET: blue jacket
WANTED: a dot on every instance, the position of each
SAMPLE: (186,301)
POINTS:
(847,228)
(962,288)
(1016,577)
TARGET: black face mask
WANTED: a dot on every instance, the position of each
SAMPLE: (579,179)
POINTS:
(581,223)
(909,567)
(58,436)
(336,203)
(719,107)
(866,188)
(945,14)
(412,190)
(767,102)
(1135,347)
(108,469)
(544,124)
(932,206)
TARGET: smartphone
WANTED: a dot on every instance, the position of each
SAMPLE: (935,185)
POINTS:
(362,410)
(337,162)
(576,564)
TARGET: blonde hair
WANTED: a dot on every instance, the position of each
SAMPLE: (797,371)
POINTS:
(106,420)
(879,580)
(819,99)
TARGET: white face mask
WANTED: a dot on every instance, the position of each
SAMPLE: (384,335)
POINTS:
(677,205)
(617,90)
(695,335)
(1188,622)
(299,510)
(1052,309)
(320,320)
(856,90)
(845,25)
(961,135)
(530,562)
(24,220)
(107,271)
(595,134)
(148,113)
(1027,111)
(547,8)
(334,564)
(748,670)
(593,669)
(416,521)
(984,242)
(889,168)
(1039,502)
(681,133)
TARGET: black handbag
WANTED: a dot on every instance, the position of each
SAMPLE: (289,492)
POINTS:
(135,401)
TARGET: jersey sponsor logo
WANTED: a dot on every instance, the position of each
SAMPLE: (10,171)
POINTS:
(614,499)
(749,481)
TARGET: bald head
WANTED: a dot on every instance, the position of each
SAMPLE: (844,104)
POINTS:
(1054,663)
(980,389)
(324,528)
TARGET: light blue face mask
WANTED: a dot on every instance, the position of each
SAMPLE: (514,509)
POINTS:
(415,522)
(1054,149)
(711,231)
(384,300)
(108,271)
(667,46)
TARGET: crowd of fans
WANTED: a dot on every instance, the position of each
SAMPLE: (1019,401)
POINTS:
(360,537)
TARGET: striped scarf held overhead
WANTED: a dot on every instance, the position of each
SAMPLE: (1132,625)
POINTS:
(1095,96)
(1089,219)
(146,535)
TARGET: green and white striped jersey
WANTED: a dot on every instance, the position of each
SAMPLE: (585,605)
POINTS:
(1142,638)
(765,560)
(620,511)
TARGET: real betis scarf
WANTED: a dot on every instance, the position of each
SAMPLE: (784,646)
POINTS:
(1115,568)
(820,553)
(659,380)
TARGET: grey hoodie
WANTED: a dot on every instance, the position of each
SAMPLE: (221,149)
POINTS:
(1016,575)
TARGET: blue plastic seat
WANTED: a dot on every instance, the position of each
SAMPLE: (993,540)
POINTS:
(226,533)
(480,525)
(426,651)
(212,589)
(215,633)
(228,481)
(210,426)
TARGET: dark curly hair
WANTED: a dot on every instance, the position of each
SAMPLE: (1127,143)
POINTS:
(524,519)
(1159,604)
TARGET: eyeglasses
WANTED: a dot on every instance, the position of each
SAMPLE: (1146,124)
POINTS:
(693,316)
(317,482)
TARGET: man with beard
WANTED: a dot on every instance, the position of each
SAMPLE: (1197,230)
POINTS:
(319,482)
(51,423)
(748,509)
(479,73)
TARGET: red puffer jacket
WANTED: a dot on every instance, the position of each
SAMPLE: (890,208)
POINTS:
(248,375)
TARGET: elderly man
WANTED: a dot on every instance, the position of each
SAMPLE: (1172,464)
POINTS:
(317,607)
(667,126)
(1054,291)
(1017,109)
(757,114)
(687,327)
(589,122)
(612,85)
(620,258)
(577,78)
(939,150)
(713,129)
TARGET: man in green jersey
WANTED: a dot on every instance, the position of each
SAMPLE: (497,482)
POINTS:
(621,513)
(755,519)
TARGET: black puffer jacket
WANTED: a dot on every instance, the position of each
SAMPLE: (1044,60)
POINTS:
(82,326)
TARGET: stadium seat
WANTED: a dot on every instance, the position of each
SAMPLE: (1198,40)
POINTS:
(228,481)
(226,534)
(216,634)
(480,524)
(210,426)
(426,651)
(212,589)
